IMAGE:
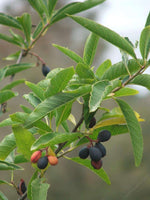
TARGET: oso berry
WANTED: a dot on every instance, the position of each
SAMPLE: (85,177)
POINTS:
(92,122)
(22,187)
(84,153)
(101,148)
(103,136)
(45,70)
(36,156)
(95,154)
(42,162)
(53,160)
(96,165)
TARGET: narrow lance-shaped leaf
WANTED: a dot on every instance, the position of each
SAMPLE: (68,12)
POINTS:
(74,8)
(13,84)
(29,190)
(10,39)
(6,95)
(51,6)
(145,42)
(134,130)
(84,71)
(142,80)
(69,53)
(148,20)
(90,48)
(87,163)
(24,140)
(103,67)
(9,21)
(9,166)
(105,33)
(2,196)
(54,102)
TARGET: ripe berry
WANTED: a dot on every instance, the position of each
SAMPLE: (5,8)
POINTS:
(84,153)
(53,160)
(42,162)
(101,148)
(96,165)
(45,70)
(95,154)
(22,187)
(36,156)
(104,135)
(92,122)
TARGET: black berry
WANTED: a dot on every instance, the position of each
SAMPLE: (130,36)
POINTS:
(92,122)
(84,153)
(21,187)
(101,148)
(42,162)
(95,154)
(103,136)
(45,70)
(96,165)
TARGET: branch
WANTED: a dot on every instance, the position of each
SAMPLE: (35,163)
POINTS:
(38,57)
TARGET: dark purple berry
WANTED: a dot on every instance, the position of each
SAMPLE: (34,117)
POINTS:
(92,122)
(96,165)
(103,136)
(45,70)
(101,148)
(42,162)
(84,153)
(95,154)
(21,187)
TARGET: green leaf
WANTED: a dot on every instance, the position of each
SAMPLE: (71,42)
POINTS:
(20,159)
(103,67)
(13,84)
(87,163)
(105,33)
(145,42)
(5,182)
(74,8)
(39,189)
(50,139)
(13,69)
(51,6)
(2,196)
(118,70)
(59,81)
(32,99)
(29,190)
(37,30)
(126,92)
(63,113)
(18,38)
(3,72)
(69,53)
(13,56)
(9,21)
(10,39)
(142,80)
(37,6)
(6,95)
(25,21)
(9,166)
(98,93)
(24,140)
(148,20)
(55,102)
(38,91)
(84,71)
(7,145)
(134,130)
(90,48)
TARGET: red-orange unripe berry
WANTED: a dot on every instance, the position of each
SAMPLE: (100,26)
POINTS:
(53,160)
(36,156)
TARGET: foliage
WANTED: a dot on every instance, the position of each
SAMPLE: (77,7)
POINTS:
(54,96)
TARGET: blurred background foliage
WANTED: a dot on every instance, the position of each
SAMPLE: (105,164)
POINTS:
(68,180)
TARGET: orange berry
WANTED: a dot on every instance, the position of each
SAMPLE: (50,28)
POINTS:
(36,156)
(53,160)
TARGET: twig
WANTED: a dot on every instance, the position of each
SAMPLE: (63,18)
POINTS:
(24,196)
(38,57)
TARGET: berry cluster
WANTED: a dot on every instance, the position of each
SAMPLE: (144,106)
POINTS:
(42,161)
(96,151)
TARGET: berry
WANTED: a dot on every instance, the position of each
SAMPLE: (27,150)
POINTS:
(101,148)
(84,153)
(95,154)
(45,70)
(22,187)
(103,136)
(92,122)
(96,165)
(36,156)
(42,162)
(53,160)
